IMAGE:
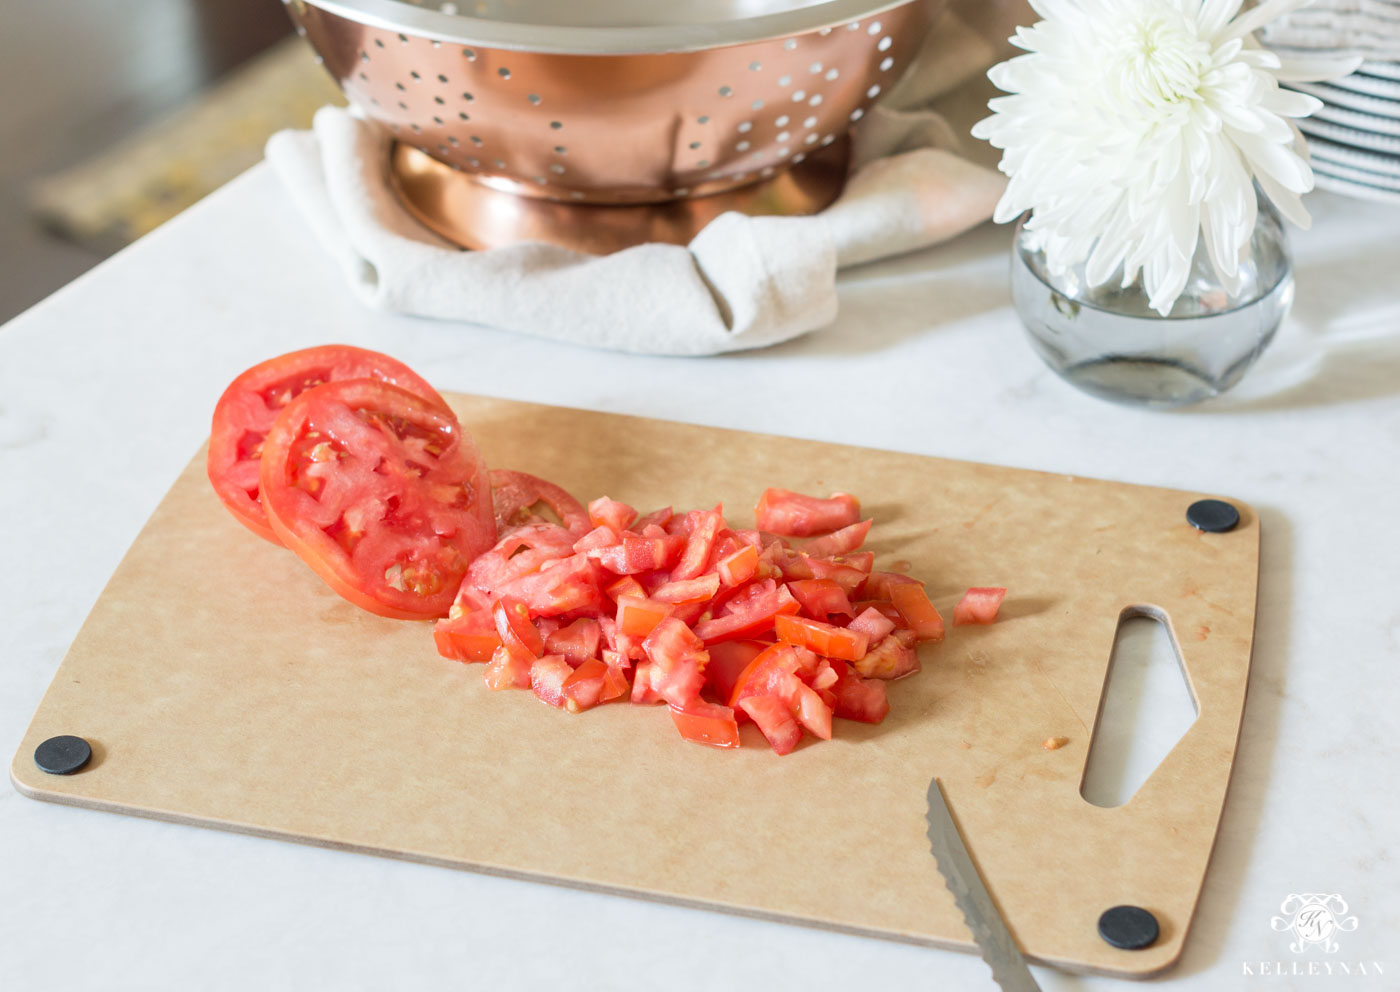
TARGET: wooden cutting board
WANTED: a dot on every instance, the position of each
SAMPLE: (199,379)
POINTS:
(220,683)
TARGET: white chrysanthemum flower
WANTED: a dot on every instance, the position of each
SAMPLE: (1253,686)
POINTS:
(1136,126)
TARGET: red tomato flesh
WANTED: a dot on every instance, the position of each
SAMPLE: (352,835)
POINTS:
(913,605)
(791,514)
(252,402)
(822,638)
(380,492)
(547,678)
(706,723)
(518,635)
(979,605)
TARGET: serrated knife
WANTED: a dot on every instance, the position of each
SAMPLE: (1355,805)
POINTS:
(979,912)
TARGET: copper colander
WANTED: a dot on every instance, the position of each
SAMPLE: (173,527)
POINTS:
(650,117)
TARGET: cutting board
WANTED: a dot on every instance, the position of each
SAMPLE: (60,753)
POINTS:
(220,683)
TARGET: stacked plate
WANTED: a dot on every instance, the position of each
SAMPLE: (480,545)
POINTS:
(1355,137)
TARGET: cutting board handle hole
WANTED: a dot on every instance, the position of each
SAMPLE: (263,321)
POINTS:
(1145,709)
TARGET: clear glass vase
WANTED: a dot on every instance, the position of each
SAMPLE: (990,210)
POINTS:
(1110,343)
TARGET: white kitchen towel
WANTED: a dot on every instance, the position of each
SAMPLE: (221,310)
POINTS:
(743,282)
(1370,28)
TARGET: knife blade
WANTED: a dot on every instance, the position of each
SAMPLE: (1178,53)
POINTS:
(998,949)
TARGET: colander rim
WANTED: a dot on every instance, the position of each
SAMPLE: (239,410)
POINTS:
(461,29)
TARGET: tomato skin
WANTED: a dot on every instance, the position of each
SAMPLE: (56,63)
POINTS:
(791,514)
(979,605)
(706,723)
(822,638)
(918,612)
(250,406)
(380,492)
(518,635)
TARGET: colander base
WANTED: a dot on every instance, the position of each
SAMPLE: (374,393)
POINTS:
(473,215)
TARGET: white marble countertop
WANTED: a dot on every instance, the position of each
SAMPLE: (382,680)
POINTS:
(105,390)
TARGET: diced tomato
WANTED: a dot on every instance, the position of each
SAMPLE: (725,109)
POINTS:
(642,691)
(979,605)
(615,684)
(704,527)
(626,586)
(696,590)
(913,605)
(508,671)
(862,561)
(795,515)
(605,512)
(637,617)
(859,699)
(840,542)
(774,720)
(802,566)
(583,688)
(656,518)
(547,678)
(518,634)
(728,659)
(811,710)
(757,677)
(881,606)
(565,585)
(578,642)
(678,659)
(873,623)
(472,636)
(599,537)
(893,658)
(820,598)
(706,723)
(822,638)
(737,568)
(640,554)
(877,585)
(751,617)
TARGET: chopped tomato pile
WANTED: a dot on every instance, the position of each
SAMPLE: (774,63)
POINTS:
(360,468)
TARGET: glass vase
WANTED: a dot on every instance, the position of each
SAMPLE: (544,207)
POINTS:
(1110,343)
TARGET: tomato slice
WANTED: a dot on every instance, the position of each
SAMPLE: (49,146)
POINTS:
(918,612)
(249,407)
(822,638)
(380,492)
(979,605)
(516,494)
(706,723)
(791,514)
